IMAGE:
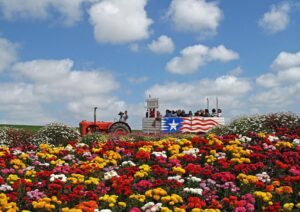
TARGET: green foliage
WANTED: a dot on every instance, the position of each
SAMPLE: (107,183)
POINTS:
(95,137)
(56,134)
(268,123)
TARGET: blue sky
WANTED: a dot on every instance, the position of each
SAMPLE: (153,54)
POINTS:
(59,59)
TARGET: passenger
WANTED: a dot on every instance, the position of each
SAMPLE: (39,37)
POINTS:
(197,113)
(152,113)
(219,112)
(173,114)
(214,112)
(190,114)
(206,113)
(121,116)
(202,113)
(88,131)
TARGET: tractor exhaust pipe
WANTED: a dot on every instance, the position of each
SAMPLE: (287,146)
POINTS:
(95,108)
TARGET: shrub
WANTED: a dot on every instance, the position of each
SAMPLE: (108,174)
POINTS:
(56,133)
(3,137)
(95,137)
(269,123)
(14,137)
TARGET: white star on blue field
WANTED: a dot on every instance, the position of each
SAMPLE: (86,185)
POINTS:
(60,59)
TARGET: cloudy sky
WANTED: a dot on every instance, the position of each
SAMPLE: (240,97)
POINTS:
(60,58)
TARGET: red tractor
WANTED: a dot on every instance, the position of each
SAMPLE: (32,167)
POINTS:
(88,127)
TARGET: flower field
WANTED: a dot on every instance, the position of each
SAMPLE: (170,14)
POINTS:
(257,172)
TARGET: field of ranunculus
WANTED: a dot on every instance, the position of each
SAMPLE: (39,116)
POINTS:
(254,172)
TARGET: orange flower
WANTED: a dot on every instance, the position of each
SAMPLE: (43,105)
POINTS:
(284,190)
(88,206)
(269,188)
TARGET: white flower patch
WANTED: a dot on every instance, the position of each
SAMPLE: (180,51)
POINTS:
(87,154)
(6,187)
(128,163)
(103,210)
(268,147)
(192,151)
(68,157)
(244,139)
(110,174)
(220,155)
(60,177)
(17,152)
(177,178)
(69,148)
(296,142)
(263,177)
(81,145)
(193,190)
(194,179)
(159,154)
(152,207)
(273,138)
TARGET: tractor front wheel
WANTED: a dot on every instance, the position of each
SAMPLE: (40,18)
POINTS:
(119,128)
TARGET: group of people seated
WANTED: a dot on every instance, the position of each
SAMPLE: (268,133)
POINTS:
(201,113)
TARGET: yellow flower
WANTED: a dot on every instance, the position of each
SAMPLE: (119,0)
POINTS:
(288,206)
(165,209)
(265,196)
(122,204)
(178,170)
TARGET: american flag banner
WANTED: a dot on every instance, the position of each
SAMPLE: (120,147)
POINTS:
(190,124)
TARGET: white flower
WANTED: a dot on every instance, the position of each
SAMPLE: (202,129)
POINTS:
(193,190)
(263,177)
(244,139)
(296,142)
(81,145)
(177,178)
(148,205)
(103,210)
(192,151)
(160,154)
(273,138)
(5,187)
(69,148)
(194,179)
(17,152)
(60,177)
(110,174)
(128,163)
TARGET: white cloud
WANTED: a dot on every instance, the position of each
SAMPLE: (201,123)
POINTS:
(118,21)
(236,71)
(56,78)
(199,16)
(193,57)
(134,47)
(138,80)
(70,11)
(163,44)
(8,53)
(286,60)
(276,19)
(282,88)
(175,95)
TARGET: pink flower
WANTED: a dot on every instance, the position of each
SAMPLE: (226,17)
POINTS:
(135,209)
(240,209)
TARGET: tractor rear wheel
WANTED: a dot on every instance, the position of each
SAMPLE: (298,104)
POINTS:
(119,128)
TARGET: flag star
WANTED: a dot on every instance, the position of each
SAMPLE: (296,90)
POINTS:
(173,125)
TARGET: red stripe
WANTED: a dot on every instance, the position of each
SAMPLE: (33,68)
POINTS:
(205,120)
(194,129)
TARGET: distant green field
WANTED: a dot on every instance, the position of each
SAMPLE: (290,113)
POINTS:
(26,127)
